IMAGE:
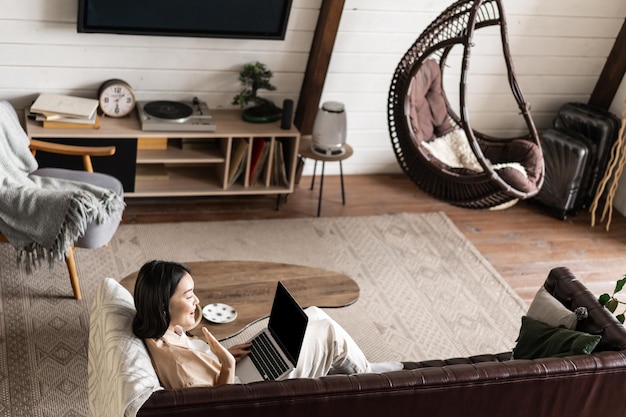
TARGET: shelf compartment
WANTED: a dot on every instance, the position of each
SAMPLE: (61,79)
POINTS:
(179,180)
(185,180)
(174,155)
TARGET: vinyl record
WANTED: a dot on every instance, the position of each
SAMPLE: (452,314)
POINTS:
(173,111)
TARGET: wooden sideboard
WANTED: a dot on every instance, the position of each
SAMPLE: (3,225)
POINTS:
(170,164)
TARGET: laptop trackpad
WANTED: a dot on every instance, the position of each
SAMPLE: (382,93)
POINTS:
(247,372)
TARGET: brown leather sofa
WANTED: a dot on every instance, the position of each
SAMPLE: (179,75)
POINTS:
(486,385)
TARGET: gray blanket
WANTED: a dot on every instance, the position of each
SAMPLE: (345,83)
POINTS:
(42,217)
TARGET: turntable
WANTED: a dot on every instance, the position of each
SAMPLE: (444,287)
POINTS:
(175,116)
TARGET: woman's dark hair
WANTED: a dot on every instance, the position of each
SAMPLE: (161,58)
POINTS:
(156,283)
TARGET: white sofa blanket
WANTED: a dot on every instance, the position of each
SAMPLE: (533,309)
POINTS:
(42,217)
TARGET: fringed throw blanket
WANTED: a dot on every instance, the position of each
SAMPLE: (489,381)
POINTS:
(42,217)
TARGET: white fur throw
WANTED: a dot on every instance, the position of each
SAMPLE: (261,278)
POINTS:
(453,150)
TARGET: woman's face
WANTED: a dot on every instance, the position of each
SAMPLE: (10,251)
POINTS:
(183,304)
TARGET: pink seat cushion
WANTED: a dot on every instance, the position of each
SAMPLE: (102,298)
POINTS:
(427,107)
(521,151)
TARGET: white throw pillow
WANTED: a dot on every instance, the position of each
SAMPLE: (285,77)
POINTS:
(121,376)
(548,310)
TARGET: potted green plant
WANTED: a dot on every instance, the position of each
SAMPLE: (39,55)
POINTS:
(611,302)
(254,77)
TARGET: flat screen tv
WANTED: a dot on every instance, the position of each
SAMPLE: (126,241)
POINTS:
(248,19)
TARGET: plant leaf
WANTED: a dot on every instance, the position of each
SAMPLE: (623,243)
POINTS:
(620,284)
(604,298)
(612,305)
(620,317)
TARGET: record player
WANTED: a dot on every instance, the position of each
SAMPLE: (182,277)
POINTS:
(175,116)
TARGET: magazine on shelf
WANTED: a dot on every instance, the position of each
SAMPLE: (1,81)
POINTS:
(73,123)
(279,172)
(237,159)
(260,151)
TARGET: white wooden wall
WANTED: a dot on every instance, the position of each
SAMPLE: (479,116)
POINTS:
(620,100)
(558,46)
(41,51)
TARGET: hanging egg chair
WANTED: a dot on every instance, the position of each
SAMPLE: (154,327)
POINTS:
(436,147)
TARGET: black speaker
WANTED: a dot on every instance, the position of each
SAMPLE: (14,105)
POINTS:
(287,114)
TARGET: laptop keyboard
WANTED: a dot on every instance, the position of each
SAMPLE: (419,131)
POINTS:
(264,356)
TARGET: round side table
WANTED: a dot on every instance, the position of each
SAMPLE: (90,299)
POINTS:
(306,152)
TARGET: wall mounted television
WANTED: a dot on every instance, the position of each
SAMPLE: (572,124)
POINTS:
(246,19)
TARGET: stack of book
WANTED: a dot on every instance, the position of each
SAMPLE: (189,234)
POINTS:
(62,111)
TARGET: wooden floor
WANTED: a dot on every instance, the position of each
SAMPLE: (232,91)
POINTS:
(522,243)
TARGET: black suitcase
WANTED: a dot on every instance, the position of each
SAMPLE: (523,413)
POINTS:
(599,126)
(566,155)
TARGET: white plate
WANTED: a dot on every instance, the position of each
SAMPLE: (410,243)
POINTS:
(219,313)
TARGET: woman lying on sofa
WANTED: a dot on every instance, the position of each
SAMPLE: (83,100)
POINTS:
(166,305)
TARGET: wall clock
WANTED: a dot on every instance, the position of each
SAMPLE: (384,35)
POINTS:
(117,98)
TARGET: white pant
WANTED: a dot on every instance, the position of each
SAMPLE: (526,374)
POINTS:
(328,348)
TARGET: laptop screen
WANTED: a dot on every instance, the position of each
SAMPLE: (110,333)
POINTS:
(287,323)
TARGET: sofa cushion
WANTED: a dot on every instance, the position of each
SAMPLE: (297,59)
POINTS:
(547,309)
(538,340)
(121,376)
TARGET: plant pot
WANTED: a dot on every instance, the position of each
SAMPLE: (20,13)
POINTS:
(258,115)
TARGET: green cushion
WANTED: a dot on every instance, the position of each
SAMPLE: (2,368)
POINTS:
(538,340)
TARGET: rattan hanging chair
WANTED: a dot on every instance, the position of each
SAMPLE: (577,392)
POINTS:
(460,186)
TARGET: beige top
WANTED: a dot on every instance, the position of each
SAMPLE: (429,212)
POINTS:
(178,365)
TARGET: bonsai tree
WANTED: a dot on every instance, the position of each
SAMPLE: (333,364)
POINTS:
(254,77)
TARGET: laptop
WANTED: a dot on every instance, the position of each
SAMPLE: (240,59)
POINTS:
(275,349)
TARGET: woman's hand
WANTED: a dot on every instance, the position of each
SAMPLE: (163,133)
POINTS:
(240,351)
(227,374)
(216,347)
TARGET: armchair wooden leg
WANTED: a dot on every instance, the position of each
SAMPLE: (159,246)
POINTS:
(71,268)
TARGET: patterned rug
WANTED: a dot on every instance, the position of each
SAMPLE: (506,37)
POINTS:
(426,293)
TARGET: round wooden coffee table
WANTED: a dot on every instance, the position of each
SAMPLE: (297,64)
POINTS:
(249,287)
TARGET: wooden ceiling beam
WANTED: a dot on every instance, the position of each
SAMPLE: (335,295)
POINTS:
(612,74)
(317,66)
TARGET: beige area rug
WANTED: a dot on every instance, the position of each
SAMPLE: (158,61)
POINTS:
(426,293)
